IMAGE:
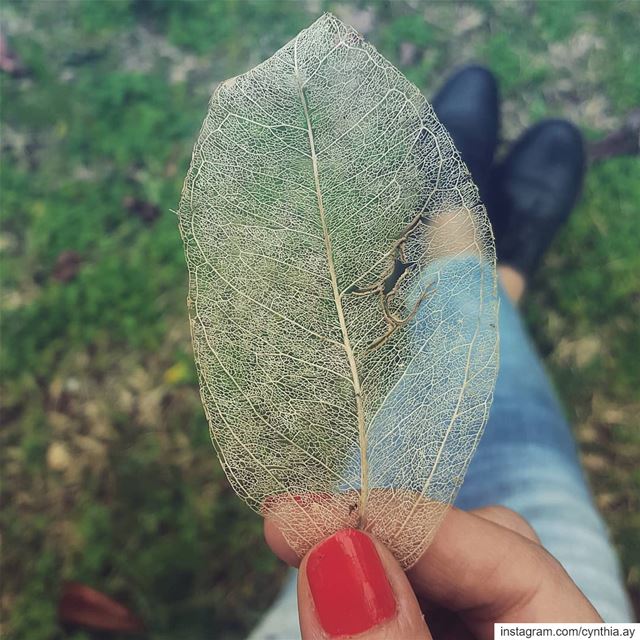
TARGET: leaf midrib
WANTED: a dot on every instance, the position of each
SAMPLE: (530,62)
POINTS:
(346,342)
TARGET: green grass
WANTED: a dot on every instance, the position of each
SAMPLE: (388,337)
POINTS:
(108,474)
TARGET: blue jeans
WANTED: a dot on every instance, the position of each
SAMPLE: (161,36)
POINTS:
(527,461)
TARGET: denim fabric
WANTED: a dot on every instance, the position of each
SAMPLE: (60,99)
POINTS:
(527,461)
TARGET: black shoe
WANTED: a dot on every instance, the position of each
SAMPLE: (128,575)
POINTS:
(533,191)
(467,105)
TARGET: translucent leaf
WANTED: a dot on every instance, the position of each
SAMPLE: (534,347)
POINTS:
(342,294)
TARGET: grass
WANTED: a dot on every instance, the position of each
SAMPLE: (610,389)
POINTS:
(108,473)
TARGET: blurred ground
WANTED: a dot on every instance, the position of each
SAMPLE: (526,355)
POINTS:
(108,473)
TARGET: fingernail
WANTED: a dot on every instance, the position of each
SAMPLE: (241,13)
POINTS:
(349,585)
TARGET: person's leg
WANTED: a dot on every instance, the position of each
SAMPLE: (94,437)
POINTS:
(527,458)
(513,283)
(527,461)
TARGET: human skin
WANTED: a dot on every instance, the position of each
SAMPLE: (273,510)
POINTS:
(484,566)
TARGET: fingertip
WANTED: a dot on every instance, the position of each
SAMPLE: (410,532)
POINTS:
(350,584)
(277,542)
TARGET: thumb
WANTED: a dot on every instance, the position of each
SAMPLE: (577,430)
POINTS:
(349,585)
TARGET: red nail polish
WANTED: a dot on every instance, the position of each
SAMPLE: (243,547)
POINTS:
(349,585)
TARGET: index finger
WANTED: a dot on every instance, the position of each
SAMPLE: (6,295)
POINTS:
(489,573)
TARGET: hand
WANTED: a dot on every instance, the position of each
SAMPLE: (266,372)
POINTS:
(483,567)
